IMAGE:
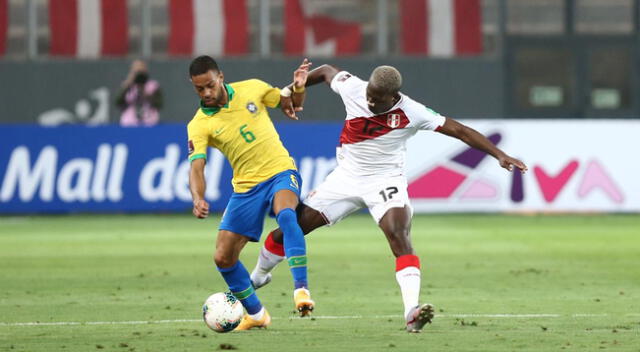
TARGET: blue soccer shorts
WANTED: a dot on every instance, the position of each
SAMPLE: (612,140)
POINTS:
(245,212)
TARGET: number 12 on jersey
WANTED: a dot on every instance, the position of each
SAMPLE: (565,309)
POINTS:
(388,193)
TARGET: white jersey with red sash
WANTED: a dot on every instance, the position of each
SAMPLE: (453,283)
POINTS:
(375,145)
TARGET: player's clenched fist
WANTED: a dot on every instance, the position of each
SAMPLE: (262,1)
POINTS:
(200,208)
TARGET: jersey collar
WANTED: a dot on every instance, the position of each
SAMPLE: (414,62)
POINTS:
(395,106)
(210,111)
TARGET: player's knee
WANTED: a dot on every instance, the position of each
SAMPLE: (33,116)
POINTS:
(223,260)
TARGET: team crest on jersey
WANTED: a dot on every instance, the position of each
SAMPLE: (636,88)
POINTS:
(393,120)
(190,147)
(252,107)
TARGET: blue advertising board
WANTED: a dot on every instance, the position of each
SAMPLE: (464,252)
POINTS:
(115,169)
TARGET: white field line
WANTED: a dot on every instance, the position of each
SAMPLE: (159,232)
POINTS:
(174,321)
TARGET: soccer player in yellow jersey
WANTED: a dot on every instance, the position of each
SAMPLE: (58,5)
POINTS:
(233,118)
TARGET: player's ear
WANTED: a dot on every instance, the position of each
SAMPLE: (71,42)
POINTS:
(221,77)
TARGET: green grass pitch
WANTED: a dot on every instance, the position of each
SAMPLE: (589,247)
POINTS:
(499,283)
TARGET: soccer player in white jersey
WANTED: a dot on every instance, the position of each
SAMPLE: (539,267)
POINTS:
(370,173)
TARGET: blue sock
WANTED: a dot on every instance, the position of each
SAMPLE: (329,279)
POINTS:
(239,283)
(294,246)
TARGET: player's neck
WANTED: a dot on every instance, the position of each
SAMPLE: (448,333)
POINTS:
(224,97)
(396,99)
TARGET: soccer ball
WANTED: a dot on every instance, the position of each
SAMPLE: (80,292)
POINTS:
(222,312)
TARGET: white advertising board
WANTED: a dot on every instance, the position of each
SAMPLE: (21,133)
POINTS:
(574,166)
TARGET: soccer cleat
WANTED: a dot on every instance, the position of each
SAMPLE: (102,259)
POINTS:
(248,323)
(303,301)
(419,316)
(267,280)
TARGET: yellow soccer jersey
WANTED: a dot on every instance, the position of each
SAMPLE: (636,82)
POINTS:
(242,130)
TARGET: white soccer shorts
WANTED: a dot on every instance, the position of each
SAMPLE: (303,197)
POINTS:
(341,194)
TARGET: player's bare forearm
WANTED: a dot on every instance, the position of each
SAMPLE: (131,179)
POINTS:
(197,187)
(324,73)
(477,140)
(471,137)
(299,84)
(196,179)
(298,99)
(292,96)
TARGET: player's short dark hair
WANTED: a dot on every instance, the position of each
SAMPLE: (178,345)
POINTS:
(386,78)
(202,64)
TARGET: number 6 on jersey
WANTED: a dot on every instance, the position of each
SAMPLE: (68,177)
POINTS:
(248,135)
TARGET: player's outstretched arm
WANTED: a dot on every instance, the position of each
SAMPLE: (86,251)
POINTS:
(292,96)
(475,139)
(324,73)
(197,186)
(299,82)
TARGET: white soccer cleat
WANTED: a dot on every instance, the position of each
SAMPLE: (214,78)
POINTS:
(257,285)
(419,316)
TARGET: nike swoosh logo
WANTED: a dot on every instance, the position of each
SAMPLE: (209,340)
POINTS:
(218,131)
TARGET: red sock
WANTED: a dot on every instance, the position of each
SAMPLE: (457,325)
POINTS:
(407,260)
(272,246)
